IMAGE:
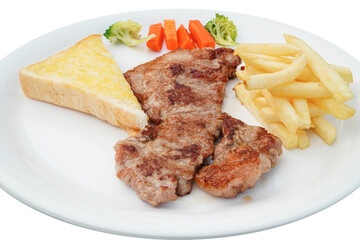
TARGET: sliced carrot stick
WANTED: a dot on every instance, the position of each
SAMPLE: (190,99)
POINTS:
(170,34)
(201,37)
(184,39)
(156,43)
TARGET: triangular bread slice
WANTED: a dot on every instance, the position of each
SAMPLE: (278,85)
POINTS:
(86,78)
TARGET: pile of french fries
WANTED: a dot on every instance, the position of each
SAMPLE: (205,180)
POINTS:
(289,87)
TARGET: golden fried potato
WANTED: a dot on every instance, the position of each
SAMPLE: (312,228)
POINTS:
(301,90)
(273,49)
(245,98)
(268,80)
(344,72)
(261,102)
(250,70)
(338,109)
(303,141)
(284,110)
(268,115)
(275,64)
(289,139)
(324,72)
(315,111)
(324,129)
(301,107)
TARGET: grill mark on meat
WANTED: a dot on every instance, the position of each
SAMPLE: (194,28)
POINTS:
(149,169)
(148,133)
(129,148)
(193,148)
(231,132)
(206,53)
(191,151)
(215,177)
(207,73)
(176,68)
(181,94)
(230,127)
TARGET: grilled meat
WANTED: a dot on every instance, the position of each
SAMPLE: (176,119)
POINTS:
(244,153)
(182,91)
(159,162)
(184,82)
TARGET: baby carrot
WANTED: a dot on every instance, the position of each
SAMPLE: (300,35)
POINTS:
(200,35)
(170,34)
(156,43)
(184,39)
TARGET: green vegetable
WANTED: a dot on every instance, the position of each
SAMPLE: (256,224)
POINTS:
(222,30)
(126,32)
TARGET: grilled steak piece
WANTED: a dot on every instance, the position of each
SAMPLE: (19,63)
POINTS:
(184,82)
(159,162)
(244,153)
(182,91)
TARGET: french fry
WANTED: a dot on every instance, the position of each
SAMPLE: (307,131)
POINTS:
(324,129)
(272,64)
(315,111)
(268,80)
(337,109)
(344,72)
(303,141)
(301,90)
(268,115)
(325,73)
(250,70)
(289,139)
(261,102)
(269,57)
(284,110)
(302,108)
(242,75)
(273,49)
(254,94)
(285,59)
(245,98)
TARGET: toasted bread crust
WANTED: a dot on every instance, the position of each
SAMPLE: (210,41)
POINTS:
(64,94)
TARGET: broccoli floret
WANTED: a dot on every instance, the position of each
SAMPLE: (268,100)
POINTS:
(222,30)
(126,32)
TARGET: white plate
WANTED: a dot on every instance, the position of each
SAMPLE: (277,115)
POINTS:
(61,162)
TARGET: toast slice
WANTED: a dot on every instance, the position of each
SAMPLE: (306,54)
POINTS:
(86,78)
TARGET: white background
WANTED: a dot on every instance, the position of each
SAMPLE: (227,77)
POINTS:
(337,21)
